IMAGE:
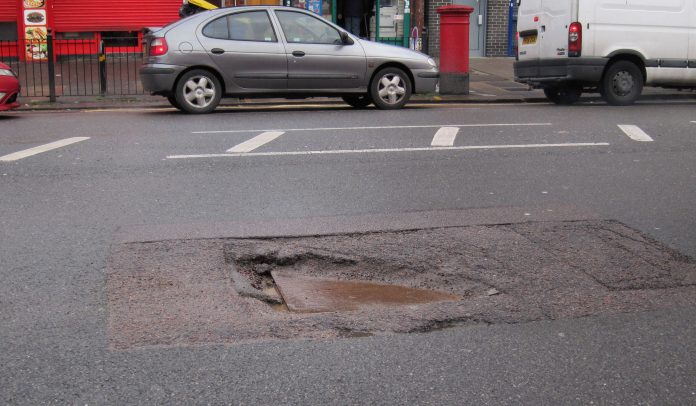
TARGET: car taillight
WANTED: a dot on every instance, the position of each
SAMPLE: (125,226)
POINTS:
(158,47)
(575,39)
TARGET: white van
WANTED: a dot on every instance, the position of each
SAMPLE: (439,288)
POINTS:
(612,46)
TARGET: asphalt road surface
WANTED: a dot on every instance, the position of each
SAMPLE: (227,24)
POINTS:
(73,184)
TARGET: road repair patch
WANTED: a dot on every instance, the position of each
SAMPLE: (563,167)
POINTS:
(225,291)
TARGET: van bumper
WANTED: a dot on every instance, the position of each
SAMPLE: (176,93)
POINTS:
(542,72)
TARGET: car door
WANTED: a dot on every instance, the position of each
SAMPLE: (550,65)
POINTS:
(316,56)
(247,50)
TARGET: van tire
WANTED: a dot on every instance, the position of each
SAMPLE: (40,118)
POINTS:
(622,83)
(563,94)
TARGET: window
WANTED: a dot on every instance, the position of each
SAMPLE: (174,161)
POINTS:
(251,26)
(217,29)
(8,31)
(300,27)
(74,35)
(246,26)
(120,38)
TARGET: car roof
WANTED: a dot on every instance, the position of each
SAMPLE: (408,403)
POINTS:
(262,7)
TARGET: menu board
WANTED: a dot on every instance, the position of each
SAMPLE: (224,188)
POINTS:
(35,29)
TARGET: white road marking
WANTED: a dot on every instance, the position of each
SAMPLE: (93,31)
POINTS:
(481,94)
(387,150)
(41,148)
(396,127)
(635,133)
(259,140)
(444,137)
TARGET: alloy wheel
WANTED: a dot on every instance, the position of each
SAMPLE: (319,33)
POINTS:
(199,91)
(391,88)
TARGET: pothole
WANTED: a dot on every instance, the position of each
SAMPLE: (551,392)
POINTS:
(193,292)
(284,283)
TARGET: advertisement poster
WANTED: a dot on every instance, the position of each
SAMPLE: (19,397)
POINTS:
(35,30)
(314,6)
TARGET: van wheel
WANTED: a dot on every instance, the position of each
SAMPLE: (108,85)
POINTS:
(563,94)
(622,83)
(198,92)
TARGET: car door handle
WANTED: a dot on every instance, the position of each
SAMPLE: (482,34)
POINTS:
(217,51)
(298,54)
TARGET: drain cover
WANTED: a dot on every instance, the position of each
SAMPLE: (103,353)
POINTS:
(304,294)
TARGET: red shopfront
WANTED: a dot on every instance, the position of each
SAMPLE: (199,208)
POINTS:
(117,22)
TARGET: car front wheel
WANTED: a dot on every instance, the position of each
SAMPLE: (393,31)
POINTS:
(198,92)
(390,89)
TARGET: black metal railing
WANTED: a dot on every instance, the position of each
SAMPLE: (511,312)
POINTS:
(75,67)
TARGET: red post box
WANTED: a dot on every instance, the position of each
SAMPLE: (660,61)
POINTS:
(454,49)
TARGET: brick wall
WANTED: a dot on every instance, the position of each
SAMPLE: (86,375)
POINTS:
(433,25)
(496,42)
(497,27)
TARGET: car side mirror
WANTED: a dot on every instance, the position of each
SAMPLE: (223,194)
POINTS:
(346,39)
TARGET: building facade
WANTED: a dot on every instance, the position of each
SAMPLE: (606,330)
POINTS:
(413,23)
(493,26)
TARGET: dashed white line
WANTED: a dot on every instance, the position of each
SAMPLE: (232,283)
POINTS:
(388,150)
(635,133)
(395,127)
(41,148)
(259,140)
(444,137)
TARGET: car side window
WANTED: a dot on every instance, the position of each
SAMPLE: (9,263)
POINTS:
(246,26)
(217,29)
(303,28)
(251,26)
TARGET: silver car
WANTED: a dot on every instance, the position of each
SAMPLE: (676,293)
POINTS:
(267,51)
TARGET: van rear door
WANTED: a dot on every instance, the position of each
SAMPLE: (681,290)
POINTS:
(528,29)
(554,22)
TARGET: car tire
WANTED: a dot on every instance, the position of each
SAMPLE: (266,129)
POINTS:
(198,92)
(564,95)
(173,102)
(390,89)
(622,83)
(358,101)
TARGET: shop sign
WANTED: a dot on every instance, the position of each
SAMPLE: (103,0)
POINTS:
(35,29)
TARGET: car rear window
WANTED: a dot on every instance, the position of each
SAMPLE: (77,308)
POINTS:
(217,29)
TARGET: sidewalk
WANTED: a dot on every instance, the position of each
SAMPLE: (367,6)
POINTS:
(491,81)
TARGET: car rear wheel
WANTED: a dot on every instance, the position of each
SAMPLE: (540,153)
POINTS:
(173,102)
(198,92)
(622,83)
(358,101)
(390,89)
(565,94)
